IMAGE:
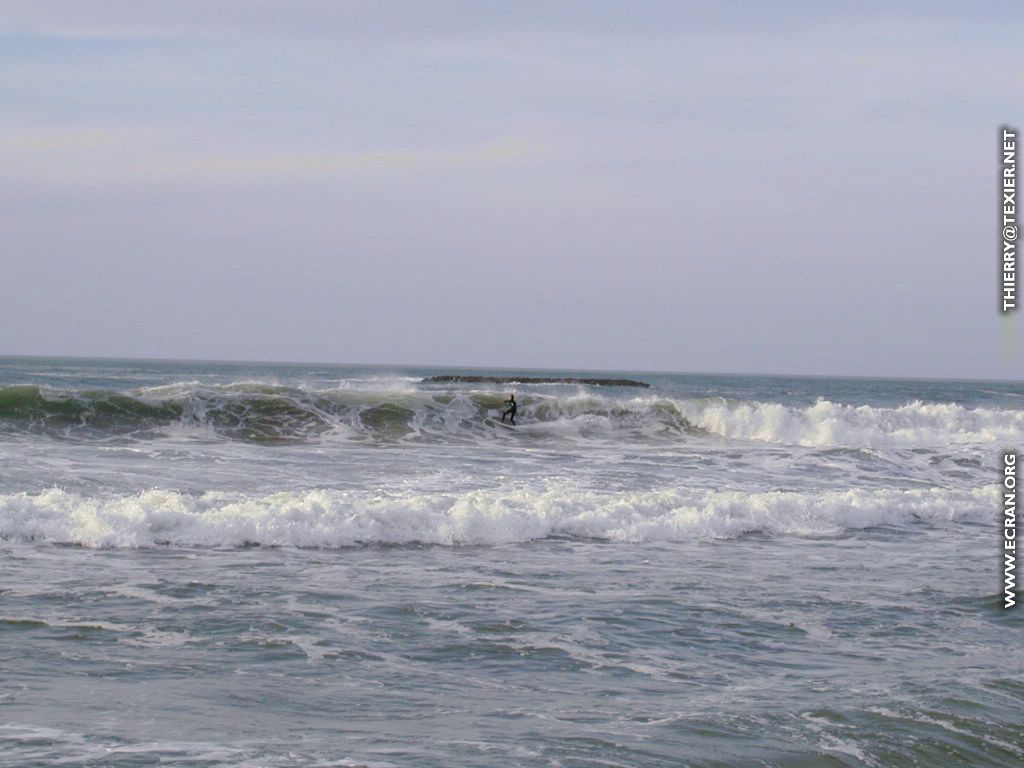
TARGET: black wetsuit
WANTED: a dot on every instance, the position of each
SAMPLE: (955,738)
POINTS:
(511,412)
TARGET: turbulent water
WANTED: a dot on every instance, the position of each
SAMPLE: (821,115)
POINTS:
(211,564)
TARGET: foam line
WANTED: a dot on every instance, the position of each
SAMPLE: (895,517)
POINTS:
(326,518)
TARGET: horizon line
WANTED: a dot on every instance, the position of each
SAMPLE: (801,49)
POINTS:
(501,368)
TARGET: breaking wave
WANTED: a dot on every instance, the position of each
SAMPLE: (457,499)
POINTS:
(832,424)
(326,518)
(264,413)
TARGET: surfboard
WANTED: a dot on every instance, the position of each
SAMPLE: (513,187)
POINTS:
(499,423)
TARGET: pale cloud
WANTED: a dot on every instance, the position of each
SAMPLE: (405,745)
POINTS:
(56,140)
(275,165)
(54,158)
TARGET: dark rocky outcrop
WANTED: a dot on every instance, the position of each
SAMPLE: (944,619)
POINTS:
(536,380)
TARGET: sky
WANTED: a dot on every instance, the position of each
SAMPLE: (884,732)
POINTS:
(803,188)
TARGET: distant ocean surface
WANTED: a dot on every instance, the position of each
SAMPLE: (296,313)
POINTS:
(221,564)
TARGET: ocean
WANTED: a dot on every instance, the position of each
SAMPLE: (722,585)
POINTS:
(231,564)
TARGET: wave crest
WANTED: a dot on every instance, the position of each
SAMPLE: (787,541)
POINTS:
(833,424)
(263,413)
(326,518)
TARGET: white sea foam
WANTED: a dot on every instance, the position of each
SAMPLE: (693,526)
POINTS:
(328,518)
(833,424)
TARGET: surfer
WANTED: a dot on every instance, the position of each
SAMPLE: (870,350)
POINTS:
(511,411)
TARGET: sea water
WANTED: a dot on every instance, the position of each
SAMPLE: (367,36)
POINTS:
(226,564)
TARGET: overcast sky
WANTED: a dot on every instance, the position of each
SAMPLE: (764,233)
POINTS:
(606,185)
